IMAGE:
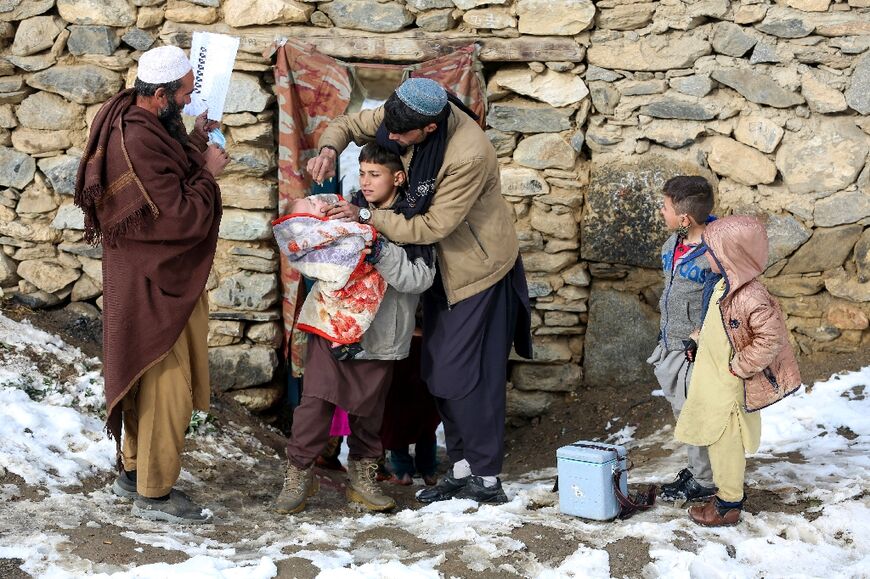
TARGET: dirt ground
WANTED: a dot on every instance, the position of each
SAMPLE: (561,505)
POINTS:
(244,493)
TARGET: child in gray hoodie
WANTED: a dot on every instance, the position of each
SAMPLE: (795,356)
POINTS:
(688,201)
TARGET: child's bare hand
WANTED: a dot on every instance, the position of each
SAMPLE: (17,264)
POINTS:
(691,349)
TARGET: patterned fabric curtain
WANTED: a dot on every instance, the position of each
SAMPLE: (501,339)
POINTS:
(312,89)
(461,73)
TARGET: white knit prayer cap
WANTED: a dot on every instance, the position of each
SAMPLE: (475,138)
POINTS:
(162,64)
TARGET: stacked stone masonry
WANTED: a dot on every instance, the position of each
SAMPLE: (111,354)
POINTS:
(592,106)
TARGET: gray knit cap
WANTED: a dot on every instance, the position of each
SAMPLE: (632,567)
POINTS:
(423,95)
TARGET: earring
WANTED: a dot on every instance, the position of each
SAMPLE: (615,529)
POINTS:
(682,231)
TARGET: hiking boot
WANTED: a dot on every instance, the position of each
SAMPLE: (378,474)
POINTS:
(445,490)
(362,487)
(713,514)
(299,484)
(685,487)
(476,490)
(178,508)
(125,486)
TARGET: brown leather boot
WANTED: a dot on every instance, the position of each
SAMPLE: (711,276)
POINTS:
(709,515)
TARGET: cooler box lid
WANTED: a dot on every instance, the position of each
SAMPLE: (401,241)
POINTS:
(590,451)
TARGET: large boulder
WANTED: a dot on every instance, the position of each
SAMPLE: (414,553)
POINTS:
(36,34)
(241,366)
(369,15)
(548,377)
(246,94)
(786,23)
(16,168)
(259,399)
(740,162)
(759,132)
(827,249)
(757,87)
(658,52)
(621,222)
(522,182)
(248,193)
(825,157)
(545,151)
(246,291)
(48,111)
(621,333)
(102,40)
(528,117)
(841,208)
(117,13)
(49,275)
(784,235)
(821,97)
(69,216)
(556,17)
(858,93)
(558,89)
(13,10)
(82,83)
(61,172)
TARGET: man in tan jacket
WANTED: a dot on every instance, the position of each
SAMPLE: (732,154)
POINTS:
(479,302)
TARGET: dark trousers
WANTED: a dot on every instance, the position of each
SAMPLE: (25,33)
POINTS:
(470,381)
(311,422)
(474,426)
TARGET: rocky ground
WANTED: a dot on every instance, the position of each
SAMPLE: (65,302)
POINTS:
(233,466)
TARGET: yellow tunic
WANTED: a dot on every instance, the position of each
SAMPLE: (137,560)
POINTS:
(715,393)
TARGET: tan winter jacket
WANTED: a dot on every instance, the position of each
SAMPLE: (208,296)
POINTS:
(753,320)
(469,220)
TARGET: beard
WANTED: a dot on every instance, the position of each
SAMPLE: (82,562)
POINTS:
(170,118)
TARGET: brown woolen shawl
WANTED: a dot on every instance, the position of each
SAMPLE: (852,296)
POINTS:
(157,211)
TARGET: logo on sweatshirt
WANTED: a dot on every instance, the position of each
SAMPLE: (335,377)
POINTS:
(686,269)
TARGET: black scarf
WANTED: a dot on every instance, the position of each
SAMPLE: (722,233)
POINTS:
(425,164)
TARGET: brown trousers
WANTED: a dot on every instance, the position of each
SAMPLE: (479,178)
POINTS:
(310,432)
(156,412)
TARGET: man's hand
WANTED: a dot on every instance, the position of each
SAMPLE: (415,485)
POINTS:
(202,125)
(215,160)
(322,167)
(342,211)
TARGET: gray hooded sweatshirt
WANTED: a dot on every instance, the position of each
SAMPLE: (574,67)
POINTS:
(680,304)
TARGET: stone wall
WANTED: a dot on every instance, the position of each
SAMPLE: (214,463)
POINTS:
(593,105)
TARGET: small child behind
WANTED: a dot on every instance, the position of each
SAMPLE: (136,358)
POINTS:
(410,417)
(688,201)
(744,363)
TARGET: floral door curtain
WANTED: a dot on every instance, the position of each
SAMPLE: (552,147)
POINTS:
(312,89)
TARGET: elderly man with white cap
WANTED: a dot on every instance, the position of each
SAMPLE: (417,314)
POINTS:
(149,195)
(479,305)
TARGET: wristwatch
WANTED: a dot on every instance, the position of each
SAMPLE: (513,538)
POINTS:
(364,215)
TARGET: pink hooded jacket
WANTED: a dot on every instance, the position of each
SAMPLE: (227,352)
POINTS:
(753,320)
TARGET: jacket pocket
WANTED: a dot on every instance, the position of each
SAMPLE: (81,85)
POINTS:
(769,375)
(474,240)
